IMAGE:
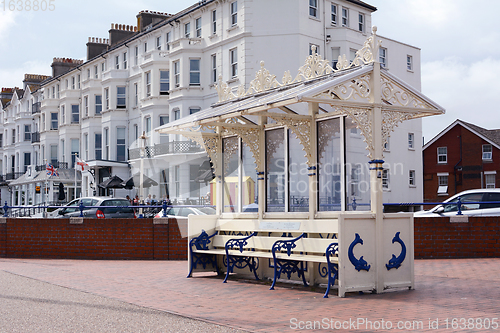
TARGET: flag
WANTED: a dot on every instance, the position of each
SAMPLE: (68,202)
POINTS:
(81,165)
(51,171)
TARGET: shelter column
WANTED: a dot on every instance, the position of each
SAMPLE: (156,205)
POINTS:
(261,168)
(313,172)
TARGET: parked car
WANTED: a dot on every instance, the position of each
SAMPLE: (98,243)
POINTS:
(475,204)
(96,207)
(185,211)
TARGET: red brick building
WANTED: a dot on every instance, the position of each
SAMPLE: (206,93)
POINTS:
(462,157)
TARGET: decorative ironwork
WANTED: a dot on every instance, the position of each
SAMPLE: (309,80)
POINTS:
(333,268)
(237,261)
(357,88)
(209,142)
(313,67)
(201,243)
(301,127)
(362,118)
(395,262)
(230,147)
(326,130)
(359,264)
(390,120)
(393,94)
(288,267)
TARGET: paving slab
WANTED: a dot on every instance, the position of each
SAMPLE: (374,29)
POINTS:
(450,296)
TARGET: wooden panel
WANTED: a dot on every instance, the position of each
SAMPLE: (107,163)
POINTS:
(308,226)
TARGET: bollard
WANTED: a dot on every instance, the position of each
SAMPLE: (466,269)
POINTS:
(164,208)
(5,210)
(354,205)
(459,205)
(81,208)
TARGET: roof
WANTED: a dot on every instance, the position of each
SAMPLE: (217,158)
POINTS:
(65,176)
(363,4)
(491,136)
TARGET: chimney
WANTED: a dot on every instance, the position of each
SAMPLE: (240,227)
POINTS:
(119,32)
(6,94)
(148,18)
(34,79)
(63,65)
(96,46)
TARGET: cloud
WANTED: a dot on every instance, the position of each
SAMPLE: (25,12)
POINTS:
(469,92)
(7,21)
(13,77)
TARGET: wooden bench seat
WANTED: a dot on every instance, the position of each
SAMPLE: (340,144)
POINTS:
(287,251)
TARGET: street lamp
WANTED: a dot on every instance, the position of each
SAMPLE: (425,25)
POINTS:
(143,138)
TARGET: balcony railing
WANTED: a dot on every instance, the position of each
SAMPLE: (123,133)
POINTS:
(57,165)
(174,147)
(36,107)
(35,137)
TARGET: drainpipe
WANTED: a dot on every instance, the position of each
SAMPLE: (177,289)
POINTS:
(459,161)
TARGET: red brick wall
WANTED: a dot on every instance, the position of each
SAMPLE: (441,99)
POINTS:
(93,239)
(437,237)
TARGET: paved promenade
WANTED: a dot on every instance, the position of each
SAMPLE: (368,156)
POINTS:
(155,296)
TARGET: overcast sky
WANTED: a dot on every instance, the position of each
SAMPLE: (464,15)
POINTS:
(459,43)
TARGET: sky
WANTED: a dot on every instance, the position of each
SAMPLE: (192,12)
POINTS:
(460,53)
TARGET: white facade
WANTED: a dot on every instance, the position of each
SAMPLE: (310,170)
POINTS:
(195,47)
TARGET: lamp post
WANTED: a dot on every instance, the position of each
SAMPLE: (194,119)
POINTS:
(143,138)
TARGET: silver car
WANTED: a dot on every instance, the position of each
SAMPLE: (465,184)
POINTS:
(185,211)
(474,203)
(97,207)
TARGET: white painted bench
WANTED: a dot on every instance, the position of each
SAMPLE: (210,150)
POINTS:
(288,244)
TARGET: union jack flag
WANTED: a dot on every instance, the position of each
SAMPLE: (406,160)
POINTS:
(51,171)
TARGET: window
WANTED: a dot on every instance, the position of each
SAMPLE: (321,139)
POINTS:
(233,57)
(385,178)
(214,22)
(158,43)
(136,135)
(86,105)
(53,155)
(136,55)
(187,30)
(411,141)
(121,98)
(489,179)
(361,22)
(58,89)
(106,143)
(194,110)
(177,180)
(313,48)
(117,62)
(197,24)
(148,84)
(214,68)
(27,161)
(335,56)
(234,13)
(409,62)
(136,94)
(63,154)
(27,132)
(168,37)
(120,144)
(146,47)
(345,17)
(54,89)
(382,57)
(63,115)
(411,178)
(334,14)
(98,146)
(442,183)
(487,153)
(177,74)
(177,114)
(75,151)
(313,8)
(125,60)
(53,121)
(96,72)
(75,114)
(194,72)
(88,73)
(442,153)
(103,66)
(78,81)
(1,139)
(98,104)
(86,146)
(72,85)
(164,120)
(164,82)
(147,126)
(106,97)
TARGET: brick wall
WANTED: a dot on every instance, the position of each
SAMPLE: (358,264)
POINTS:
(437,237)
(92,239)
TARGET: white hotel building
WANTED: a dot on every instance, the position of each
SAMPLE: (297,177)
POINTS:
(166,68)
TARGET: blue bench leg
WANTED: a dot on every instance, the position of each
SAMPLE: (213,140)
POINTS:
(289,267)
(243,261)
(332,268)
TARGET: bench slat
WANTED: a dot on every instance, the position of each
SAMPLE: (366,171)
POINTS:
(323,226)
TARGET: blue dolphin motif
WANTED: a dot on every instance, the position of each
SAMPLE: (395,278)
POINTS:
(395,262)
(360,263)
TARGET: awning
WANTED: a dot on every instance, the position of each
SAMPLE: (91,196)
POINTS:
(112,182)
(136,179)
